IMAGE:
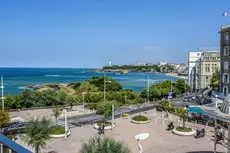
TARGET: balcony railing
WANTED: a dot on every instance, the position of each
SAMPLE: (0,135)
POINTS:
(9,146)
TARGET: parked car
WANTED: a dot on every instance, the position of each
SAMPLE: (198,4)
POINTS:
(186,99)
(15,128)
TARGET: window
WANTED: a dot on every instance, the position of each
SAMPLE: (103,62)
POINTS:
(226,65)
(226,36)
(208,68)
(225,90)
(226,51)
(225,78)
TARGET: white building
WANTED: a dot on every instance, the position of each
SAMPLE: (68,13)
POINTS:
(110,63)
(192,58)
(163,63)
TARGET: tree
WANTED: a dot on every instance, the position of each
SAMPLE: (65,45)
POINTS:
(4,118)
(104,145)
(112,86)
(105,108)
(56,112)
(167,106)
(37,133)
(183,114)
(215,80)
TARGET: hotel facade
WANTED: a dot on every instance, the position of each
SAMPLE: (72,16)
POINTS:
(225,59)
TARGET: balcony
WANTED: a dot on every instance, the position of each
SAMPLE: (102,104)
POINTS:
(9,146)
(225,42)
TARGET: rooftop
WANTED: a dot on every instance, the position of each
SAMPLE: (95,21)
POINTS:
(225,26)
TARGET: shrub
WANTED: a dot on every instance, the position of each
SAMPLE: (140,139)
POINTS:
(57,130)
(184,129)
(125,115)
(105,123)
(104,145)
(140,118)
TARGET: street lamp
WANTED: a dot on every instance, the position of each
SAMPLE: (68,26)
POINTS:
(105,86)
(66,126)
(2,87)
(148,85)
(83,100)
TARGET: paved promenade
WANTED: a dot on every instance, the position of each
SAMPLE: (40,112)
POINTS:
(38,113)
(160,140)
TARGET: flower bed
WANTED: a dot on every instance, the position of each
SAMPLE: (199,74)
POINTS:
(58,132)
(108,125)
(183,131)
(140,119)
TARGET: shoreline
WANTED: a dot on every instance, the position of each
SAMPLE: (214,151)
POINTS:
(176,76)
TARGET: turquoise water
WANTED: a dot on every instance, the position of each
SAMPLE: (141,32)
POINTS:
(16,79)
(196,110)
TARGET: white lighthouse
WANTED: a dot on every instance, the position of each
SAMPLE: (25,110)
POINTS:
(110,62)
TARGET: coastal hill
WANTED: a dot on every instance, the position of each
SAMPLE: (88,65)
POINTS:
(134,68)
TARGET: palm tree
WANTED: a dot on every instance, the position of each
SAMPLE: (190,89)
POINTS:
(37,133)
(167,107)
(104,145)
(56,112)
(183,114)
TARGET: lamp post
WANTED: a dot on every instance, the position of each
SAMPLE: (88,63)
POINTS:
(148,88)
(66,126)
(83,100)
(105,86)
(2,87)
(112,115)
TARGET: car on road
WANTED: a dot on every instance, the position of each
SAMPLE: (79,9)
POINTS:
(15,128)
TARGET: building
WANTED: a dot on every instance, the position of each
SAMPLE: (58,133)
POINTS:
(110,63)
(208,63)
(192,58)
(163,63)
(225,59)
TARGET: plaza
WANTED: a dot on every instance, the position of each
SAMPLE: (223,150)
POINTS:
(159,141)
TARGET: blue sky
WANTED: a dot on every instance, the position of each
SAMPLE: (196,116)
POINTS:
(87,33)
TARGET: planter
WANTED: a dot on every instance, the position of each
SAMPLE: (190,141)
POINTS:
(140,120)
(193,132)
(96,126)
(60,135)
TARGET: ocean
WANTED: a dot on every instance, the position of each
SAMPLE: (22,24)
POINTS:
(17,79)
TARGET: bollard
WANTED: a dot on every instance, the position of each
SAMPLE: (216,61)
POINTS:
(178,119)
(163,122)
(154,114)
(162,116)
(155,120)
(170,118)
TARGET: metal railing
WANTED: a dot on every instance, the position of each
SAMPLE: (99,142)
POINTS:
(9,146)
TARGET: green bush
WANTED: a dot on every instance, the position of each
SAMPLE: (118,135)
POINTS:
(184,129)
(140,118)
(57,130)
(105,123)
(105,108)
(125,115)
(104,145)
